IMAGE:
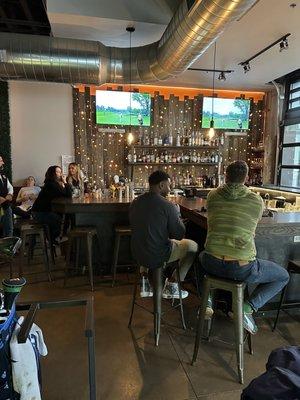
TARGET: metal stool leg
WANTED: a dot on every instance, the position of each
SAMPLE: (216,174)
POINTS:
(134,294)
(237,305)
(45,255)
(89,244)
(201,319)
(68,260)
(115,258)
(249,340)
(157,296)
(282,297)
(180,298)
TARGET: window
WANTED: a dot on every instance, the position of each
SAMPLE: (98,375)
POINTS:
(289,159)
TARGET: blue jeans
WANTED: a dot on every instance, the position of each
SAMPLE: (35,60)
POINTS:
(51,219)
(7,221)
(269,277)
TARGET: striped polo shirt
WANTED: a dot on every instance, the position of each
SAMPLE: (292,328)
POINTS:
(233,213)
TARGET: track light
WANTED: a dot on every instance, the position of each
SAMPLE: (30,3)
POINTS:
(222,76)
(284,44)
(246,67)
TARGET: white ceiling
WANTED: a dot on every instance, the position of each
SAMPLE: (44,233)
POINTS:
(106,21)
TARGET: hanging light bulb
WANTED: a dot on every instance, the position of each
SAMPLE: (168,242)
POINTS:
(211,132)
(130,138)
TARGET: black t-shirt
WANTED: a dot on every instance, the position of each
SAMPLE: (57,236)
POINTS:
(154,221)
(50,191)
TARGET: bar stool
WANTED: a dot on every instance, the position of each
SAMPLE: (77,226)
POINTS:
(85,233)
(8,249)
(120,231)
(292,268)
(157,275)
(31,231)
(237,290)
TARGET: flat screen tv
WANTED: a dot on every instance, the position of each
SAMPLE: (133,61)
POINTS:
(113,108)
(229,114)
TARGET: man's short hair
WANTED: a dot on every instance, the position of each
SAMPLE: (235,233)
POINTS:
(236,172)
(158,176)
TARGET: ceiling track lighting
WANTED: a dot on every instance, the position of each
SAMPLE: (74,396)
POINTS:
(283,45)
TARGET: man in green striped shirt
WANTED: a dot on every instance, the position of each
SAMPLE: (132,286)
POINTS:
(233,213)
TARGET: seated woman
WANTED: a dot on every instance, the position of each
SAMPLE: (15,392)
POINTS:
(55,186)
(77,180)
(26,197)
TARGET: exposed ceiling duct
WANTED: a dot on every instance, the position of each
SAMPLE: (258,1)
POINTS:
(193,28)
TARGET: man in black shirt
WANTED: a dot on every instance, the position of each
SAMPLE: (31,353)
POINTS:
(6,194)
(157,235)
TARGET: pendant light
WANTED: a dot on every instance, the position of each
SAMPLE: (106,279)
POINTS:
(130,135)
(211,132)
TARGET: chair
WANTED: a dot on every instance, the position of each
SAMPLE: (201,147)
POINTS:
(85,233)
(237,290)
(120,231)
(30,231)
(292,268)
(157,297)
(8,249)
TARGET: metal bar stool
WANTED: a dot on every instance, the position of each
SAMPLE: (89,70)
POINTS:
(120,231)
(292,268)
(30,232)
(157,275)
(8,249)
(237,290)
(85,233)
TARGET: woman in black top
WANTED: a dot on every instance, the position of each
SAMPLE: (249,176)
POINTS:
(55,186)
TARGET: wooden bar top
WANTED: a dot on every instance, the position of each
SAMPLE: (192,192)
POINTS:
(191,208)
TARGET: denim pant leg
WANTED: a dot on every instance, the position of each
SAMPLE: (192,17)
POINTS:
(7,221)
(271,279)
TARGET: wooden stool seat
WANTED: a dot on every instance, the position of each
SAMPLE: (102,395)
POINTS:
(86,233)
(120,231)
(292,268)
(237,290)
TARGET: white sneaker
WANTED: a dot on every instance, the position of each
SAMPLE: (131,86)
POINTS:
(171,291)
(145,287)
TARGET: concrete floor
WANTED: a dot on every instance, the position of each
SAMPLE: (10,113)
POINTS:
(129,367)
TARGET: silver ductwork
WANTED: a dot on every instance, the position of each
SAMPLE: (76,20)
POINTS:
(193,28)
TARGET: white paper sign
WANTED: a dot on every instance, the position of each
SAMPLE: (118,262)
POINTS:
(65,161)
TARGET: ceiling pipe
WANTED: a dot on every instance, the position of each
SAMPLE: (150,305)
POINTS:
(194,27)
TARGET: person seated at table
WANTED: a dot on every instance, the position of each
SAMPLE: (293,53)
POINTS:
(233,212)
(55,186)
(157,235)
(77,180)
(26,197)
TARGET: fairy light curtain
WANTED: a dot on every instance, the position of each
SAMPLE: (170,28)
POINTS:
(103,155)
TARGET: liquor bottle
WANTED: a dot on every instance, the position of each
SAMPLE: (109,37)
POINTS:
(212,158)
(216,158)
(157,159)
(178,158)
(178,140)
(189,139)
(193,139)
(174,158)
(144,157)
(222,140)
(166,157)
(134,156)
(152,157)
(129,158)
(155,139)
(162,157)
(160,140)
(148,157)
(170,139)
(201,139)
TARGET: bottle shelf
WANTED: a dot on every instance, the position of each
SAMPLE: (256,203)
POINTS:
(173,163)
(174,147)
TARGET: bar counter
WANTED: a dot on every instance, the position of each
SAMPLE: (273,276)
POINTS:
(277,238)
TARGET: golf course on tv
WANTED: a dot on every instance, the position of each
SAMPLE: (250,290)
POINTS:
(224,123)
(122,108)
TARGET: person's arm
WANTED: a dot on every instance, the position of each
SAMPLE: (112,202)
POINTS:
(176,227)
(59,190)
(10,189)
(19,198)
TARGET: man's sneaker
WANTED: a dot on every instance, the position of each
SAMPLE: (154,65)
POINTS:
(249,323)
(145,287)
(171,291)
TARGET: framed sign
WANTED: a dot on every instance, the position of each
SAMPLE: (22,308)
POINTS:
(65,161)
